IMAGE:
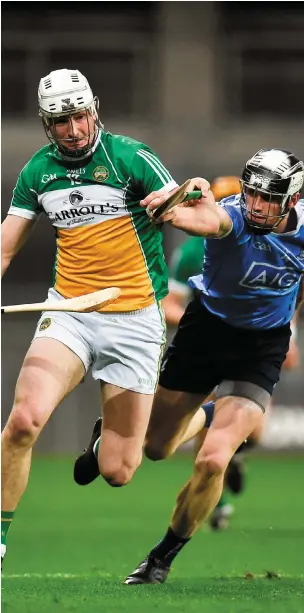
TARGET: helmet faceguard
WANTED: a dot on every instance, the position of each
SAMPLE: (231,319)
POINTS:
(274,175)
(62,94)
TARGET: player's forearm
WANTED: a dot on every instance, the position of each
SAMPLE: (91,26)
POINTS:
(197,221)
(14,233)
(7,253)
(5,262)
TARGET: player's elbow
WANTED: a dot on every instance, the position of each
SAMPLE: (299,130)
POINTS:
(213,227)
(208,224)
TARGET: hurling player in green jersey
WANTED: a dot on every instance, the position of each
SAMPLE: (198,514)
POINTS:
(89,183)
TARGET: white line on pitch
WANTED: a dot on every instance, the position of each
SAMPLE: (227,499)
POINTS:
(97,575)
(55,575)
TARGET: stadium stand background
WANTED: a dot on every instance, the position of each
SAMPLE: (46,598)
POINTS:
(205,88)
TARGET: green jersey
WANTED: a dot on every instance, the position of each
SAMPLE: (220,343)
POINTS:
(104,237)
(186,261)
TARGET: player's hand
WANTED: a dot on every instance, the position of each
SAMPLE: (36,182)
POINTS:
(157,198)
(198,183)
(154,200)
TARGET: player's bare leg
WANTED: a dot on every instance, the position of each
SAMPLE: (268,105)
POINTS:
(160,440)
(115,449)
(234,476)
(183,420)
(219,519)
(49,372)
(125,420)
(235,418)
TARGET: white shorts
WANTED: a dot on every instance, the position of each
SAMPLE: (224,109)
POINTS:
(124,349)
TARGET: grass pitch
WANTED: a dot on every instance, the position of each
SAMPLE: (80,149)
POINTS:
(70,548)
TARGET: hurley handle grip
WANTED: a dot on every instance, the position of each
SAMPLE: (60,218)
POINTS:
(195,195)
(177,198)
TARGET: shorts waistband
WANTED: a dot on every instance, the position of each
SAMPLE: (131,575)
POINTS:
(129,313)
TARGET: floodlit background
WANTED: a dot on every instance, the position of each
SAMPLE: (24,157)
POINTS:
(204,84)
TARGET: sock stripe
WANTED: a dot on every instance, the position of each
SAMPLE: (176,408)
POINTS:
(7,515)
(6,520)
(96,447)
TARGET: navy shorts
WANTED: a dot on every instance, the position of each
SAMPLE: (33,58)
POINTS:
(206,351)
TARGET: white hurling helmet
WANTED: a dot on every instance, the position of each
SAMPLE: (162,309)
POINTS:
(63,93)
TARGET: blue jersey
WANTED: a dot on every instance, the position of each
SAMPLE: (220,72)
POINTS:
(252,280)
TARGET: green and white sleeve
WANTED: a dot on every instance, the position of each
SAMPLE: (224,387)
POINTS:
(25,198)
(149,172)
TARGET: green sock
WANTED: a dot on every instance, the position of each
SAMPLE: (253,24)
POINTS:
(6,520)
(222,501)
(96,447)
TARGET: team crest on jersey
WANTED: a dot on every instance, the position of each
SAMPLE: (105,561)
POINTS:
(76,197)
(100,173)
(45,323)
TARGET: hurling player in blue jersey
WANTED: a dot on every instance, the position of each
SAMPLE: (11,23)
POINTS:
(233,337)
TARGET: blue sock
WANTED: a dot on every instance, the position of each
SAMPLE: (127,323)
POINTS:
(208,407)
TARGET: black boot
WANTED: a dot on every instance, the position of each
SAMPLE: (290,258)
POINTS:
(86,467)
(150,570)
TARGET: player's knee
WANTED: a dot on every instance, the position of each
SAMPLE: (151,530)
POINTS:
(156,451)
(118,475)
(211,463)
(22,427)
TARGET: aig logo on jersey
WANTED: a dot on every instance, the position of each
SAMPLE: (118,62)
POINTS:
(101,174)
(261,275)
